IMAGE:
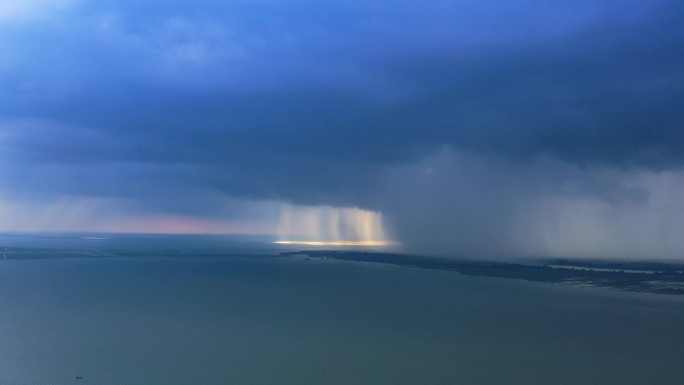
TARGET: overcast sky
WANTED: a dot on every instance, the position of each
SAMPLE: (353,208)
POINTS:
(493,128)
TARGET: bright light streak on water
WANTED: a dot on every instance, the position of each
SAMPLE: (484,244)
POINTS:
(334,243)
(331,226)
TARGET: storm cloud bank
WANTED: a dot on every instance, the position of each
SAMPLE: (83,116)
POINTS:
(469,205)
(498,128)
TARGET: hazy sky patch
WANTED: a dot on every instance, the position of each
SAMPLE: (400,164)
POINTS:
(546,110)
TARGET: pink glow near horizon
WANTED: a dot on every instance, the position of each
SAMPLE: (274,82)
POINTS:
(189,225)
(76,214)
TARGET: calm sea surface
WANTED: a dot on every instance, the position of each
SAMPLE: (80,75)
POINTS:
(252,320)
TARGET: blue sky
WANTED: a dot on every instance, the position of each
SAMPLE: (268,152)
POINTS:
(474,127)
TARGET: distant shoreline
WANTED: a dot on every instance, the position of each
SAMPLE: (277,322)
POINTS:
(636,276)
(656,278)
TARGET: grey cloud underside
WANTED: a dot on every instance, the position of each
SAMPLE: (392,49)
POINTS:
(322,122)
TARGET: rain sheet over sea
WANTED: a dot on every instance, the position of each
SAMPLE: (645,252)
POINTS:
(218,310)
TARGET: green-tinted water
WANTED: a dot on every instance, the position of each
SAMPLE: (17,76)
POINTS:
(291,321)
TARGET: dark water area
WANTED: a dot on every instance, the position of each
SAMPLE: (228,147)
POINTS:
(254,320)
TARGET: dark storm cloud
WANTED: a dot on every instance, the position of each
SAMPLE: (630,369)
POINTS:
(314,103)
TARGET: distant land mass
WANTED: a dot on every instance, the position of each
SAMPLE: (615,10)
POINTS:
(635,276)
(648,277)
